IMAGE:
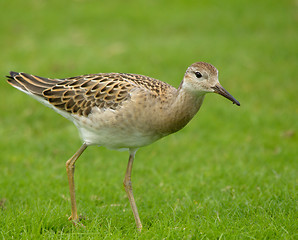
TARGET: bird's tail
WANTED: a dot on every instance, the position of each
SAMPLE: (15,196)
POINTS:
(29,83)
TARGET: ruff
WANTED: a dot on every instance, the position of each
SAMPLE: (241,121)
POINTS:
(122,111)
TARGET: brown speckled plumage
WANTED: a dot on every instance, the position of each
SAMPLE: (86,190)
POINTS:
(119,110)
(78,95)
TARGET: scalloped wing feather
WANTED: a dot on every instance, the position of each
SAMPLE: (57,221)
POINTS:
(78,95)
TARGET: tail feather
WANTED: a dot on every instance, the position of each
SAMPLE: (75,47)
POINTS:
(35,87)
(30,83)
(13,82)
(13,74)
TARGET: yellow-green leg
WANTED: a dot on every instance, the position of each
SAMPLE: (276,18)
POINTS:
(70,168)
(128,188)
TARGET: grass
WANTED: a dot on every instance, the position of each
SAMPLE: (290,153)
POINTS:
(230,174)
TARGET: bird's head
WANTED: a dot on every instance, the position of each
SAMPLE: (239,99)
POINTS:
(201,78)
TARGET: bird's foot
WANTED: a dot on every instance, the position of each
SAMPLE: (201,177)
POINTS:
(139,227)
(77,220)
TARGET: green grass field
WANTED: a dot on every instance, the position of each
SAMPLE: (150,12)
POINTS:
(230,174)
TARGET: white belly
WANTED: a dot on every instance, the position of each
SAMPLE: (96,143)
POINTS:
(105,129)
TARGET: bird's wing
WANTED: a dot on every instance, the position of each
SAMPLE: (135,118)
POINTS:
(78,95)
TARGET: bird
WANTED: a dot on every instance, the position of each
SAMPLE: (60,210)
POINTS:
(122,111)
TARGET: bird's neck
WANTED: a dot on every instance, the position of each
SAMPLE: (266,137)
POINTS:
(182,109)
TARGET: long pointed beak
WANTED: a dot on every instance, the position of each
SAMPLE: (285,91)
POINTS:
(220,90)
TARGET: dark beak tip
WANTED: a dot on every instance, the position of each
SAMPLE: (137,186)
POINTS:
(220,90)
(237,103)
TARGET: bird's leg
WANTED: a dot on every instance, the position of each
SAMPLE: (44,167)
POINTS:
(70,167)
(128,188)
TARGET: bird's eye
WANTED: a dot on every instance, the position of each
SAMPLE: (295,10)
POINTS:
(198,74)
